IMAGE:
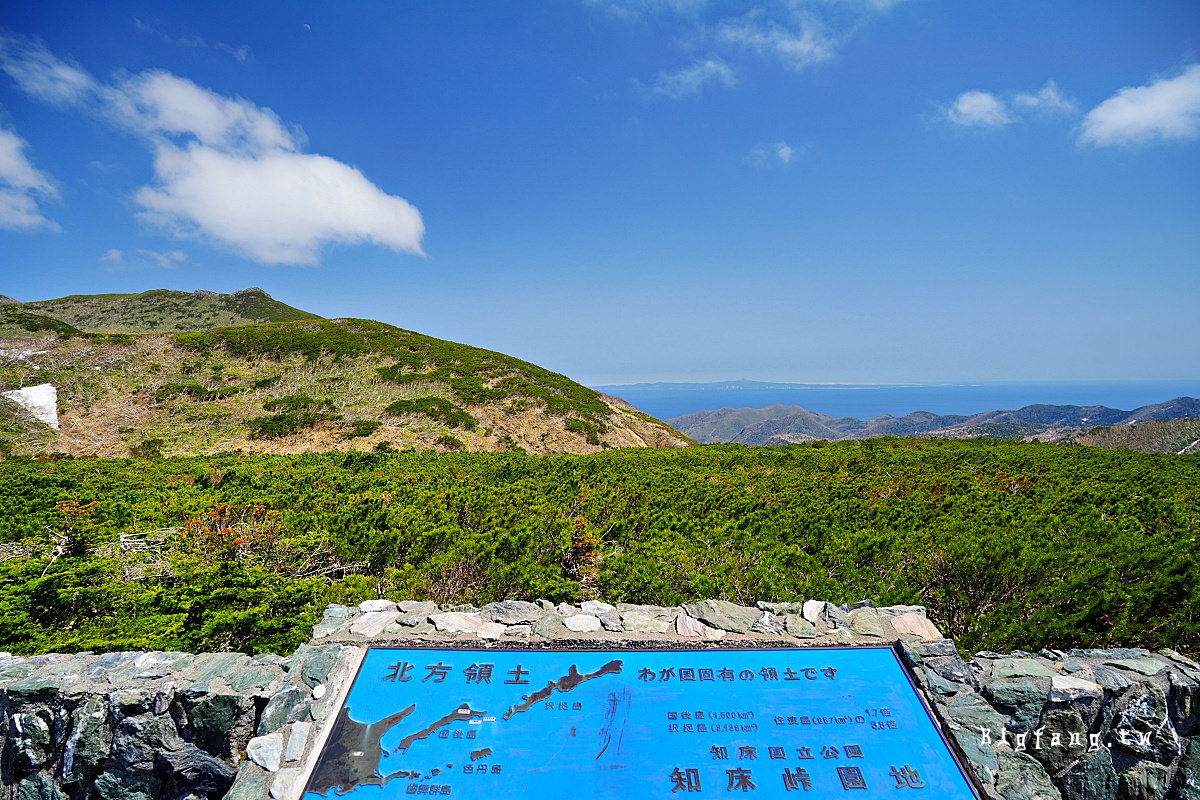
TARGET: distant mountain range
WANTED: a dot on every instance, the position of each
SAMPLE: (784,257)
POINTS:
(784,424)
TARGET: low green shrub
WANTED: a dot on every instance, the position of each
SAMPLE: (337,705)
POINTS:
(436,408)
(286,423)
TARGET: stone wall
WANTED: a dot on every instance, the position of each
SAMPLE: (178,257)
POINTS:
(140,726)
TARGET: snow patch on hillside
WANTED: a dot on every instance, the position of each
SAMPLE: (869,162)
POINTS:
(41,401)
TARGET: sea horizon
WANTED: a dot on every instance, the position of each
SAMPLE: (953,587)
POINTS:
(668,400)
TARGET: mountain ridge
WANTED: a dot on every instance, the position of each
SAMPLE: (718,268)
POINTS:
(153,311)
(783,424)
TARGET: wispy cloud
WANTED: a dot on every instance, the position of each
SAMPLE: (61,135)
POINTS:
(691,80)
(1048,98)
(797,45)
(22,185)
(241,53)
(765,156)
(166,260)
(1168,108)
(163,259)
(226,169)
(637,9)
(794,33)
(43,75)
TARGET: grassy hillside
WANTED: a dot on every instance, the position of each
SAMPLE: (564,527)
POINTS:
(303,386)
(1009,545)
(156,311)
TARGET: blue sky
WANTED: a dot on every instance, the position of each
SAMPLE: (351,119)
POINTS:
(634,190)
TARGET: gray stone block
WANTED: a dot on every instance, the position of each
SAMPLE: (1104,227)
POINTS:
(799,627)
(864,621)
(115,784)
(1141,725)
(1187,776)
(88,743)
(138,740)
(1091,778)
(724,615)
(317,664)
(1145,781)
(512,612)
(1022,777)
(770,624)
(266,751)
(39,787)
(337,611)
(247,785)
(197,770)
(1183,700)
(1021,668)
(288,704)
(240,678)
(952,668)
(1053,748)
(215,665)
(32,743)
(611,620)
(549,626)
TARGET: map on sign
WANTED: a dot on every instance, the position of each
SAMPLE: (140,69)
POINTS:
(811,722)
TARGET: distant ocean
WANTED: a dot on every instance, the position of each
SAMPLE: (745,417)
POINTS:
(668,400)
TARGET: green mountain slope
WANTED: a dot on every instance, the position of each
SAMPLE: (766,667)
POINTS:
(312,385)
(155,311)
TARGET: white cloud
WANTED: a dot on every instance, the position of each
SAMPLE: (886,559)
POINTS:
(1169,108)
(226,169)
(988,110)
(278,208)
(797,47)
(113,256)
(1048,98)
(159,103)
(21,186)
(978,109)
(691,80)
(779,154)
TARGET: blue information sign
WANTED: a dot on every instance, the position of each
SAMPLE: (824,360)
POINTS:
(769,723)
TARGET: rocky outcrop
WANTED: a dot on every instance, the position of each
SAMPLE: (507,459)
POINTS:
(1052,725)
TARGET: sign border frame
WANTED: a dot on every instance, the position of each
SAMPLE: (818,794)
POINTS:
(354,670)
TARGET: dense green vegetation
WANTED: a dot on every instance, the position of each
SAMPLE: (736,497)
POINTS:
(1009,545)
